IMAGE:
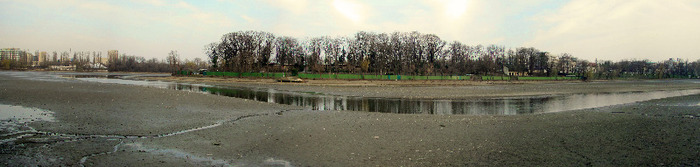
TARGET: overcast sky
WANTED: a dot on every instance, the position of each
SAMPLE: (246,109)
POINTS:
(588,29)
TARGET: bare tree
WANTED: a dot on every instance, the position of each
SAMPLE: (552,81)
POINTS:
(333,50)
(213,52)
(313,51)
(406,53)
(173,60)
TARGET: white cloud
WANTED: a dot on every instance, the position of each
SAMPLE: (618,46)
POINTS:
(148,28)
(248,18)
(185,5)
(153,2)
(295,6)
(622,29)
(613,29)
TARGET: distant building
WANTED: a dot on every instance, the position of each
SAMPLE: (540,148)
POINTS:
(101,60)
(62,68)
(11,54)
(39,58)
(113,55)
(27,58)
(104,61)
(517,73)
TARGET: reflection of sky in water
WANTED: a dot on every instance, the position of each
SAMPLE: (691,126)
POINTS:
(23,114)
(14,120)
(494,106)
(37,76)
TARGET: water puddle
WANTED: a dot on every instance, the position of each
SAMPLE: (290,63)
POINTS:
(14,121)
(192,158)
(277,162)
(492,106)
(114,150)
(36,76)
(118,79)
(21,114)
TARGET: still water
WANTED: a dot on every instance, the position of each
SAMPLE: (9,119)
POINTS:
(14,121)
(490,106)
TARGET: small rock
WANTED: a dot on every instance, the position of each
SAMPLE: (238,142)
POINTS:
(376,137)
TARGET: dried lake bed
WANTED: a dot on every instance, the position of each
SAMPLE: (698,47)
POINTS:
(100,123)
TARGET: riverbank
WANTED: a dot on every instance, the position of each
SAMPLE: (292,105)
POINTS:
(444,89)
(123,125)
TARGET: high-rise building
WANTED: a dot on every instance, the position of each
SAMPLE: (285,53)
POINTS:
(38,58)
(27,58)
(43,57)
(11,54)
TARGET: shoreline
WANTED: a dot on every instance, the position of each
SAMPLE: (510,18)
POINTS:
(442,90)
(265,134)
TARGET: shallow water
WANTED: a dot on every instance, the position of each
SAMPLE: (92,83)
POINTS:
(192,158)
(490,106)
(24,114)
(14,121)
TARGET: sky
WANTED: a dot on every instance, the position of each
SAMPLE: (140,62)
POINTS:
(589,29)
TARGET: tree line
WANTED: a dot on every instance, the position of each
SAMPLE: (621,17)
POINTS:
(413,53)
(172,63)
(95,61)
(81,60)
(672,68)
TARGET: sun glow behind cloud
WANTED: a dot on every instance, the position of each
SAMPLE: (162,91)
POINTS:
(349,9)
(454,9)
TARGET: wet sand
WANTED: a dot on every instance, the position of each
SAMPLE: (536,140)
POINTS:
(122,125)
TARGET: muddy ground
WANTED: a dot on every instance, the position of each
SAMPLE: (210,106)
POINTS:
(122,125)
